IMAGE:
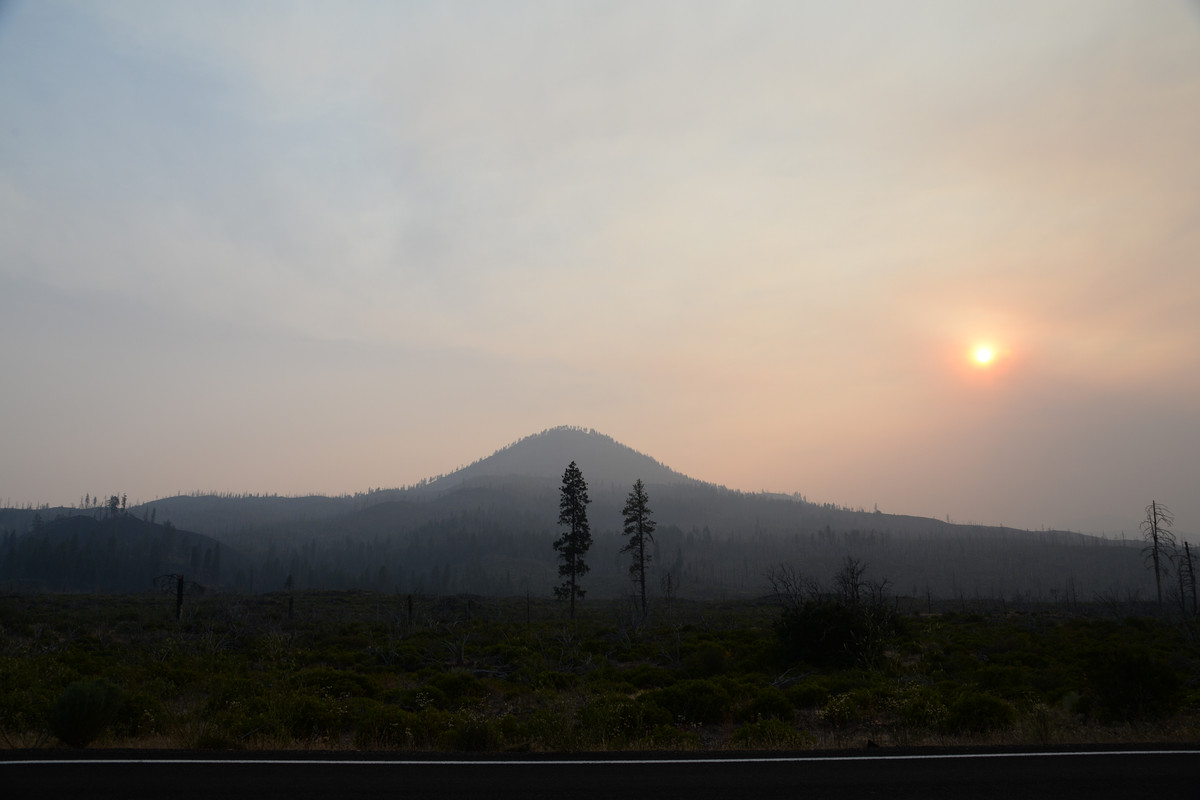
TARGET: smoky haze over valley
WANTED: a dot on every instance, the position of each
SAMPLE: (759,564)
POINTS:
(487,527)
(935,257)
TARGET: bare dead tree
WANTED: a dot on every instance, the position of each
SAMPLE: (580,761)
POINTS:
(877,590)
(1160,542)
(791,587)
(670,587)
(849,581)
(176,581)
(1187,580)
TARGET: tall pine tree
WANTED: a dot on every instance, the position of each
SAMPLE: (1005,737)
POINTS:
(639,527)
(575,541)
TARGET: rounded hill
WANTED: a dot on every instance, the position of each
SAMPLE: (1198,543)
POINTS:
(602,459)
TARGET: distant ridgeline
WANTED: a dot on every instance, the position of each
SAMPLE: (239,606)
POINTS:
(488,527)
(117,553)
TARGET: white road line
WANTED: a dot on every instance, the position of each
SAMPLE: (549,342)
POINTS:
(583,762)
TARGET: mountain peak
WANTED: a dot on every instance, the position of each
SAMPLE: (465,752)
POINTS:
(600,458)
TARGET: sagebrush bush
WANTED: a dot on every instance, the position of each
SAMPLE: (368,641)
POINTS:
(668,737)
(770,734)
(558,681)
(692,701)
(844,710)
(142,713)
(469,735)
(829,634)
(917,708)
(807,694)
(767,703)
(649,676)
(378,726)
(1130,684)
(84,710)
(306,717)
(329,682)
(975,713)
(705,661)
(615,721)
(458,686)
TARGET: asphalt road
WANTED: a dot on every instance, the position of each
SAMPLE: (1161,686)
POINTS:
(928,776)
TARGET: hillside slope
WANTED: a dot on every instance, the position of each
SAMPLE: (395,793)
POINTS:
(488,527)
(116,553)
(603,461)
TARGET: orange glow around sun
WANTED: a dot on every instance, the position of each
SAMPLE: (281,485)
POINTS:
(983,362)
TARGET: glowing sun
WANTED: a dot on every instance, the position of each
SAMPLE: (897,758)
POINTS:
(983,355)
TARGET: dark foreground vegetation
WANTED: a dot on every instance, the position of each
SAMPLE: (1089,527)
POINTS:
(342,670)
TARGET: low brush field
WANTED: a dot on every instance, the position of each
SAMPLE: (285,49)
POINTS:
(367,671)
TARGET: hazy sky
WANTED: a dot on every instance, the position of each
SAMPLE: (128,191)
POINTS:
(294,247)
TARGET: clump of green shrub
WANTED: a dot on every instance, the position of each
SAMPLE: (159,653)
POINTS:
(807,694)
(330,682)
(469,735)
(1130,685)
(379,726)
(975,713)
(559,681)
(426,696)
(706,660)
(306,717)
(917,708)
(141,713)
(767,703)
(84,709)
(648,676)
(844,710)
(609,721)
(457,687)
(212,737)
(829,634)
(693,701)
(669,737)
(770,734)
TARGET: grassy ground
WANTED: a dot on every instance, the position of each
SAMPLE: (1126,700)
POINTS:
(372,671)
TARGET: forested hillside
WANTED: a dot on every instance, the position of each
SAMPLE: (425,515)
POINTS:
(488,529)
(119,553)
